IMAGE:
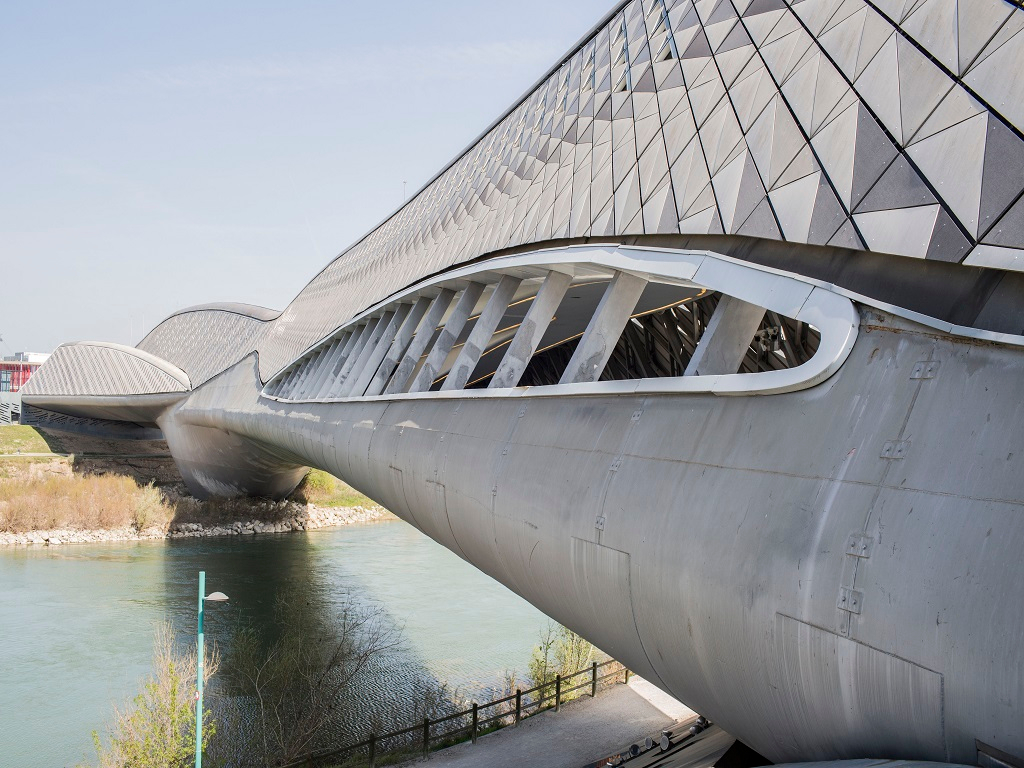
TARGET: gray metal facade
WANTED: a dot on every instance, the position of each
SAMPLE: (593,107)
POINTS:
(711,348)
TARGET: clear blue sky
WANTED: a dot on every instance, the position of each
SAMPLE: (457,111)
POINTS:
(159,155)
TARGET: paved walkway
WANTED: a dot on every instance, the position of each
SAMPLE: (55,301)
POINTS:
(583,732)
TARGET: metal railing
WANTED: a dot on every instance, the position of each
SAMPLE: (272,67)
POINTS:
(470,723)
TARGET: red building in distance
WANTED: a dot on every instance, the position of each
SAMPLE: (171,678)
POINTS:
(16,370)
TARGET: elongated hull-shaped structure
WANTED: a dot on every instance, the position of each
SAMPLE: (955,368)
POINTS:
(710,348)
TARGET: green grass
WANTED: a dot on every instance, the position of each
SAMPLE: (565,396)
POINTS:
(325,490)
(16,438)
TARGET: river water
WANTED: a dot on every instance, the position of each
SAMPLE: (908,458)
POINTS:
(76,622)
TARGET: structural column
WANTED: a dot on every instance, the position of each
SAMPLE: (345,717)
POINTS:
(481,334)
(419,343)
(531,331)
(398,346)
(726,338)
(449,335)
(605,327)
(369,366)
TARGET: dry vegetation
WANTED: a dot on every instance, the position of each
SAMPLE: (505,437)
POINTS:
(83,503)
(47,496)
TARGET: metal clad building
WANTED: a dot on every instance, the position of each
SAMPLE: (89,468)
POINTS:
(710,347)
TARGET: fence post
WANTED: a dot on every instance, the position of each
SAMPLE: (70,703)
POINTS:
(426,735)
(558,691)
(593,679)
(476,719)
(519,705)
(372,751)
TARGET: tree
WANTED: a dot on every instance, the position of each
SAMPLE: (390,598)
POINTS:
(158,728)
(560,652)
(285,698)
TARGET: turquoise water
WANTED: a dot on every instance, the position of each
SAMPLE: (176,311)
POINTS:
(76,622)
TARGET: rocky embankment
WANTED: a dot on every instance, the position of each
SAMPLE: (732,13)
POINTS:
(289,516)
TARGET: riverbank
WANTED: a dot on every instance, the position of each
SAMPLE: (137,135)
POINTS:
(292,517)
(54,499)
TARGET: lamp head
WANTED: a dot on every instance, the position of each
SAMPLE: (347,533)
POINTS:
(217,597)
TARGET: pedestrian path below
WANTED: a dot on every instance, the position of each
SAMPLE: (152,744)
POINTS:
(583,731)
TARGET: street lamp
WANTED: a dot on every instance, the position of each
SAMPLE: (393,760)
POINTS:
(217,597)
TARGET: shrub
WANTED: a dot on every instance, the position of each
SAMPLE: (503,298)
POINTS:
(84,503)
(560,652)
(158,728)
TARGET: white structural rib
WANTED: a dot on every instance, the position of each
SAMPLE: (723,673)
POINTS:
(481,334)
(363,358)
(726,339)
(449,335)
(598,342)
(531,331)
(398,346)
(366,369)
(424,333)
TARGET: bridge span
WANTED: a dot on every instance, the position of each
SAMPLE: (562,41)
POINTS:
(710,348)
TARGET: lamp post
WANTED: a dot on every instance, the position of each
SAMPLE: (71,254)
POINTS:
(215,597)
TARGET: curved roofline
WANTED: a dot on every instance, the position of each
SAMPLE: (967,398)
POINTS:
(254,311)
(147,357)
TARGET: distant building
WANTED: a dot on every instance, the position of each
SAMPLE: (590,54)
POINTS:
(16,369)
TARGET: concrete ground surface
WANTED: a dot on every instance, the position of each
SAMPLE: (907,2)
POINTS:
(583,732)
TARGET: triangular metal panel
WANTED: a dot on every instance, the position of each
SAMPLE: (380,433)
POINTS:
(1003,179)
(659,211)
(794,205)
(997,79)
(761,222)
(954,162)
(977,26)
(750,195)
(817,13)
(727,188)
(799,89)
(703,222)
(904,232)
(689,176)
(752,93)
(948,242)
(874,153)
(1006,32)
(843,41)
(653,167)
(879,87)
(836,145)
(922,86)
(760,26)
(803,164)
(957,106)
(846,237)
(899,187)
(828,214)
(877,30)
(732,63)
(1009,230)
(934,25)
